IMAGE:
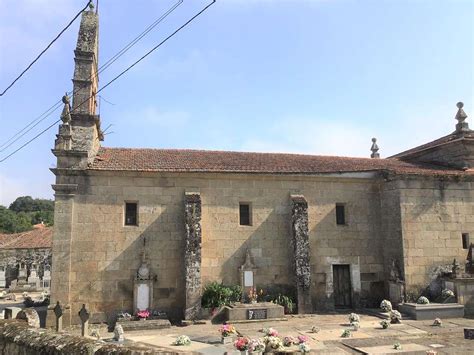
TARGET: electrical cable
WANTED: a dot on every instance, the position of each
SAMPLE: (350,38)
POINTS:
(103,67)
(47,47)
(115,78)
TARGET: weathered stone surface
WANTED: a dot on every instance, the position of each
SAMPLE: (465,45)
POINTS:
(301,252)
(17,338)
(192,254)
(30,316)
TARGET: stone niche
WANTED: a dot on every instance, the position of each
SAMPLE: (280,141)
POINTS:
(143,287)
(247,275)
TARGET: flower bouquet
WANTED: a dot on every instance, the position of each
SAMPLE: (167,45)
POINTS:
(386,306)
(385,324)
(437,322)
(271,332)
(395,317)
(242,344)
(182,340)
(227,331)
(289,341)
(274,343)
(354,317)
(302,339)
(142,315)
(253,295)
(346,333)
(423,300)
(256,346)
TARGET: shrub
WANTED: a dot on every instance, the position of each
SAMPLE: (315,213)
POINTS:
(287,303)
(216,295)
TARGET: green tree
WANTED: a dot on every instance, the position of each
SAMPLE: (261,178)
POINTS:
(11,222)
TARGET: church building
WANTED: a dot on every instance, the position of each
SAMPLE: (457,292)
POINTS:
(337,230)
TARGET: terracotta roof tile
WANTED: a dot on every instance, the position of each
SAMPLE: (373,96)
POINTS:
(182,160)
(34,239)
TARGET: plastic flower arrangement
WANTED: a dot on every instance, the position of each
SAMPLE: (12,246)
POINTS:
(256,345)
(227,330)
(395,317)
(304,348)
(242,344)
(354,317)
(355,325)
(182,340)
(386,306)
(143,314)
(302,339)
(274,343)
(423,300)
(438,322)
(447,293)
(271,332)
(397,346)
(385,324)
(346,333)
(253,295)
(289,341)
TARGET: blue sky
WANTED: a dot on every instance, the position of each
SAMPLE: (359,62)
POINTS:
(317,77)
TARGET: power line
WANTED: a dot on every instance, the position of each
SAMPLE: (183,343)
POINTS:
(115,78)
(47,47)
(103,67)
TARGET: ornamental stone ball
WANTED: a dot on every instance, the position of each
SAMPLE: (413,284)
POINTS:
(460,104)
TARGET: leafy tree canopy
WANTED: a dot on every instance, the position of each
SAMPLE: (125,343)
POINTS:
(25,212)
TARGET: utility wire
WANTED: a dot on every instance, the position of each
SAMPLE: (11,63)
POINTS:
(114,79)
(107,64)
(44,50)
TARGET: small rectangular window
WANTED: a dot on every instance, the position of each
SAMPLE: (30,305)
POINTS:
(340,214)
(244,213)
(131,211)
(465,240)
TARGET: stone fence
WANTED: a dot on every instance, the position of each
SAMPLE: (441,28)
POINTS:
(18,338)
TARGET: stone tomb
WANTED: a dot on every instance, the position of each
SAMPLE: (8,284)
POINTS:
(251,312)
(432,310)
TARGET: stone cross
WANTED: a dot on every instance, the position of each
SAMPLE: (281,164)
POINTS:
(58,312)
(84,315)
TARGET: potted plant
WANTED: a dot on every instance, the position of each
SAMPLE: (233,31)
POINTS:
(227,332)
(242,344)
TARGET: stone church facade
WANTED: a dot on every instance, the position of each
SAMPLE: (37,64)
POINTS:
(335,229)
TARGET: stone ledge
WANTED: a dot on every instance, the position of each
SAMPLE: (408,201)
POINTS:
(16,337)
(432,310)
(145,324)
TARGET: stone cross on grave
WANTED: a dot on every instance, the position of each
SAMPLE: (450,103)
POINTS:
(247,275)
(58,312)
(84,315)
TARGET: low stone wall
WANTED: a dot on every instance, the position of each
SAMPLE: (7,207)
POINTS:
(17,338)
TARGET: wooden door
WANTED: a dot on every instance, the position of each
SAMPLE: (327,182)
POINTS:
(342,286)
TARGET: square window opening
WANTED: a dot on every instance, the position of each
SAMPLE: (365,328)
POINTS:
(465,241)
(340,214)
(131,214)
(245,214)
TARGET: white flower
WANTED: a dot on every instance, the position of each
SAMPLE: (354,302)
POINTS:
(423,300)
(182,340)
(304,348)
(386,306)
(354,317)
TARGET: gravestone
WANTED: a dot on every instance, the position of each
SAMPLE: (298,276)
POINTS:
(46,281)
(3,282)
(58,312)
(33,279)
(84,315)
(143,286)
(247,275)
(469,333)
(22,275)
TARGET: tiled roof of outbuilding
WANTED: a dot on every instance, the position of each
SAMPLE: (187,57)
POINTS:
(34,239)
(183,160)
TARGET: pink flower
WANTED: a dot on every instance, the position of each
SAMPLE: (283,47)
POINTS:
(242,344)
(302,339)
(143,314)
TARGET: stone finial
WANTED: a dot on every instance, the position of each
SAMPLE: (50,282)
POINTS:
(66,114)
(374,149)
(84,316)
(461,116)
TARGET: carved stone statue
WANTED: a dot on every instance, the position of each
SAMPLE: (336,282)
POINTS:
(395,274)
